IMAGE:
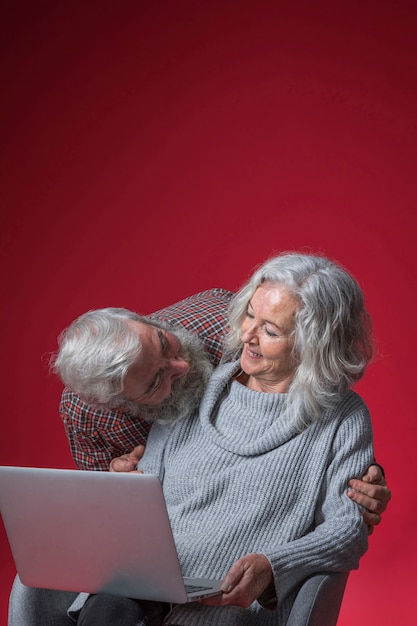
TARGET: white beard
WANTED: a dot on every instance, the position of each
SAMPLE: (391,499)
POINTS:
(186,392)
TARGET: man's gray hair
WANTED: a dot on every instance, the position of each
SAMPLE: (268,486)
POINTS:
(333,341)
(95,352)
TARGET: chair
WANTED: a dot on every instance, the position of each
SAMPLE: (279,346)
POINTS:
(318,600)
(317,603)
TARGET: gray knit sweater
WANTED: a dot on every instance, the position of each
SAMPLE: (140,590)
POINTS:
(238,479)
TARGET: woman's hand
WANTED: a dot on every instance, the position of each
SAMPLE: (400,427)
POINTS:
(244,582)
(128,462)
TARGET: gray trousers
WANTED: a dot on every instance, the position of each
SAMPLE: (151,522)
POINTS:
(39,607)
(48,607)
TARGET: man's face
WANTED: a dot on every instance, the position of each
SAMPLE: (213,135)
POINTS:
(149,380)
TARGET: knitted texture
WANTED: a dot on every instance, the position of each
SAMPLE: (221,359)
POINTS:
(238,479)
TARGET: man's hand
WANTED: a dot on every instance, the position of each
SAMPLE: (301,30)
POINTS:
(372,493)
(128,462)
(244,582)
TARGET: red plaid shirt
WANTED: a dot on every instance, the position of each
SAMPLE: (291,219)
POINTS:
(96,436)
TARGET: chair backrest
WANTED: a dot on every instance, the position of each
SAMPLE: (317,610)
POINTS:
(318,600)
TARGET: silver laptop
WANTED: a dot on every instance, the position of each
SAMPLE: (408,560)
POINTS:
(98,532)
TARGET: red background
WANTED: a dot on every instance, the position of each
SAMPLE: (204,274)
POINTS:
(152,150)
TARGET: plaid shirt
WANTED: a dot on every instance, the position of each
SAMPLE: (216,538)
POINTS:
(96,436)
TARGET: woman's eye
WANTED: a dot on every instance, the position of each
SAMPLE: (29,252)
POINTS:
(270,333)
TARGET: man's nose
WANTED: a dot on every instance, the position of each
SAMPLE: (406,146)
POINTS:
(178,367)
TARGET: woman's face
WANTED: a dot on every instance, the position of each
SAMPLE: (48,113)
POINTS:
(267,338)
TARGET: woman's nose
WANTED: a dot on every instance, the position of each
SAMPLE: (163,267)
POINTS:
(248,333)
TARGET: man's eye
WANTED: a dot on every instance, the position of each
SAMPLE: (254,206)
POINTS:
(157,383)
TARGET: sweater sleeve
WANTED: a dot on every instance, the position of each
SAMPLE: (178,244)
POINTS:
(340,536)
(96,436)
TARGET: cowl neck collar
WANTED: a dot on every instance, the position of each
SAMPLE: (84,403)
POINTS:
(241,420)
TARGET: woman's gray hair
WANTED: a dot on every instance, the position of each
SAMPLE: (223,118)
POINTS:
(95,352)
(333,341)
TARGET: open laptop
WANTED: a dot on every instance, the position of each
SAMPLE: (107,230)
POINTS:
(98,532)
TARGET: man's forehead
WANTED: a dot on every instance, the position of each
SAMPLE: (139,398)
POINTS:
(149,338)
(143,328)
(140,373)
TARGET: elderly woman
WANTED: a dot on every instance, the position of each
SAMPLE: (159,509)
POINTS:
(255,481)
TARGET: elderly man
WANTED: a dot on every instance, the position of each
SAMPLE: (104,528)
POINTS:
(101,426)
(121,372)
